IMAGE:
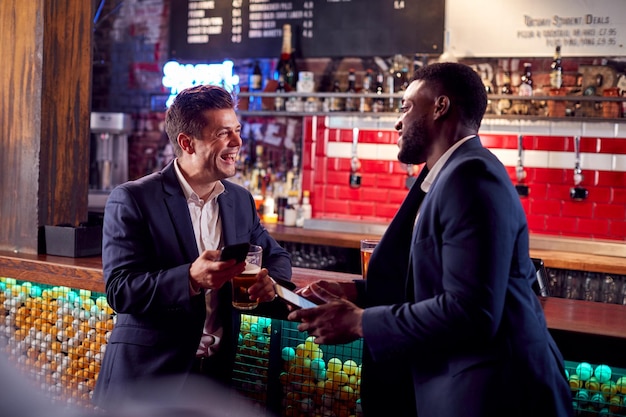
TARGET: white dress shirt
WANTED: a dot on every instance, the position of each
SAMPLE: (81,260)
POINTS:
(436,169)
(207,228)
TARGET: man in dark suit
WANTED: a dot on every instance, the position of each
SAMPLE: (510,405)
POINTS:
(449,319)
(161,240)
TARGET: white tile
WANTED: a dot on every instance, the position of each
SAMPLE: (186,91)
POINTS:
(619,163)
(367,151)
(339,122)
(388,152)
(620,130)
(561,160)
(566,128)
(596,161)
(339,150)
(535,159)
(508,157)
(605,130)
(534,126)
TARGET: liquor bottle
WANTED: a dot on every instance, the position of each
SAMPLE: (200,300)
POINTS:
(351,101)
(304,210)
(306,205)
(365,104)
(336,103)
(287,64)
(504,105)
(556,70)
(379,102)
(526,87)
(279,101)
(256,84)
(256,78)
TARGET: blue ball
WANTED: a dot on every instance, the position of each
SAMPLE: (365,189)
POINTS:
(288,353)
(584,371)
(603,373)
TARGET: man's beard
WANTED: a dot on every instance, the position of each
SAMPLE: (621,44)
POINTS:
(414,143)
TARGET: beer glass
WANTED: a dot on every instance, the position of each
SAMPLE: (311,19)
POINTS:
(367,247)
(242,282)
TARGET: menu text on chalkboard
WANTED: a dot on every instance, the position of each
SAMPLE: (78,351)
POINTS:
(213,30)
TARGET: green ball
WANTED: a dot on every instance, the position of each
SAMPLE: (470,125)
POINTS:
(288,354)
(603,373)
(584,371)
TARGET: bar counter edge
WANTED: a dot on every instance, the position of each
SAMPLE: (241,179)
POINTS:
(582,317)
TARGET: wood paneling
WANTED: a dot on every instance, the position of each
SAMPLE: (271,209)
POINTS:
(44,117)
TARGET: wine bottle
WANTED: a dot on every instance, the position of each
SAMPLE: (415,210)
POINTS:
(351,101)
(556,70)
(366,102)
(336,103)
(279,101)
(256,79)
(379,102)
(256,84)
(526,87)
(287,64)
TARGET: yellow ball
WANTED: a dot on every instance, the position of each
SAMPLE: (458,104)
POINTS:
(609,388)
(350,367)
(615,404)
(621,385)
(575,383)
(334,365)
(592,384)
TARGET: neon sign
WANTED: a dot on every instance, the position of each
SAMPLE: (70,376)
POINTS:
(178,76)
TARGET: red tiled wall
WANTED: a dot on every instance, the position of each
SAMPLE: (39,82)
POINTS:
(548,207)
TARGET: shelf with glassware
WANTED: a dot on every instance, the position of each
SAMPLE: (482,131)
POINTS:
(500,106)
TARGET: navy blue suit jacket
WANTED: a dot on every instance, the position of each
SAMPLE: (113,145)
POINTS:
(454,327)
(148,247)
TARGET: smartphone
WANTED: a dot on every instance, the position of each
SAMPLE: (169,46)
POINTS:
(237,252)
(293,299)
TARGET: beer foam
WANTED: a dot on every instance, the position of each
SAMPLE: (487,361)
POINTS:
(252,269)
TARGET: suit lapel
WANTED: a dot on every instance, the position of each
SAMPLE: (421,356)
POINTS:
(389,265)
(179,212)
(227,206)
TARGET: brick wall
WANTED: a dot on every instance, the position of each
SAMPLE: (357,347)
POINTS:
(548,161)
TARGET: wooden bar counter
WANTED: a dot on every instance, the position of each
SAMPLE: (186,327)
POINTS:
(589,331)
(557,252)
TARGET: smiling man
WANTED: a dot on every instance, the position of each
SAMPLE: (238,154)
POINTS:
(161,240)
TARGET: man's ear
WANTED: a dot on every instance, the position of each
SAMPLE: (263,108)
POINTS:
(442,105)
(185,143)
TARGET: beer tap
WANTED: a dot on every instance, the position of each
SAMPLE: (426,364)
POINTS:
(355,164)
(578,192)
(520,173)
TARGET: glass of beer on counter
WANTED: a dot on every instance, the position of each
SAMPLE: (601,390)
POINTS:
(367,247)
(242,282)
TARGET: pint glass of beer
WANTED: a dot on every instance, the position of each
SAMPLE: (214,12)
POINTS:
(243,281)
(367,247)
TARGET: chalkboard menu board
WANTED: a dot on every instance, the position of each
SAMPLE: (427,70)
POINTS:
(212,30)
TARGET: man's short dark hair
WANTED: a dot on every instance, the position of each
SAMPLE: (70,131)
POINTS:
(186,114)
(461,84)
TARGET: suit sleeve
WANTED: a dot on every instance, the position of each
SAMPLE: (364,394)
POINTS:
(462,255)
(138,278)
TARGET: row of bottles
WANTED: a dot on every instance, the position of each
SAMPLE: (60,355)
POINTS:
(379,87)
(288,210)
(554,86)
(274,185)
(285,78)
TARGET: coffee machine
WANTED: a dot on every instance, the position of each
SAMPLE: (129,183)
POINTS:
(108,160)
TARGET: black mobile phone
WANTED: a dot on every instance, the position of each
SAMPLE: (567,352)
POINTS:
(237,252)
(293,299)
